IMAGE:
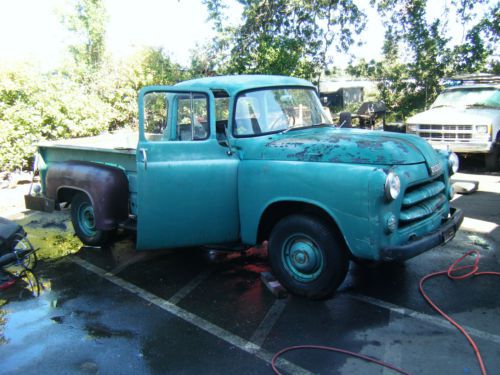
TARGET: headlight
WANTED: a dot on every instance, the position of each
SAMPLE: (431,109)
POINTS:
(453,162)
(482,129)
(411,128)
(392,186)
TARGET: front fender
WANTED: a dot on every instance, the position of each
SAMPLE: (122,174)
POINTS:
(340,190)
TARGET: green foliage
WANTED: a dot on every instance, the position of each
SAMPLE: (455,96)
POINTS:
(37,106)
(87,21)
(479,52)
(286,37)
(408,82)
(95,93)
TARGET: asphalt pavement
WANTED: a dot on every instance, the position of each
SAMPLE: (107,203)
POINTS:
(118,311)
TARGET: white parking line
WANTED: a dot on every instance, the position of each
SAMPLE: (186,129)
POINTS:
(435,320)
(221,333)
(137,257)
(393,352)
(189,287)
(268,322)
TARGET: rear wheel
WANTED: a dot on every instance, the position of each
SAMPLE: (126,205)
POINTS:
(306,256)
(84,220)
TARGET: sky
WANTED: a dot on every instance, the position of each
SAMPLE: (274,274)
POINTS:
(31,30)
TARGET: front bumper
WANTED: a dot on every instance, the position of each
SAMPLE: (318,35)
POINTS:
(482,147)
(443,234)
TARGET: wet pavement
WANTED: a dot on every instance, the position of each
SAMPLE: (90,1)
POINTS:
(116,311)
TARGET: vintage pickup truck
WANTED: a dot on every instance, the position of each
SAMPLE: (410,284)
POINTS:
(234,161)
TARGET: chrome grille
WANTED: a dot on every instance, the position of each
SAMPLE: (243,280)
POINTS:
(449,133)
(421,201)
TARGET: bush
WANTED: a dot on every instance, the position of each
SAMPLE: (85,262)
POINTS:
(73,101)
(36,107)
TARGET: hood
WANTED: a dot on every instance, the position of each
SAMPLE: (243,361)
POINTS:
(456,116)
(343,146)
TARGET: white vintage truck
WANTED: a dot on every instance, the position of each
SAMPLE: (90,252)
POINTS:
(465,118)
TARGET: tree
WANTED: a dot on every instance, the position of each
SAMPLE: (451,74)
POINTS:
(417,52)
(427,54)
(286,37)
(88,23)
(36,106)
(478,50)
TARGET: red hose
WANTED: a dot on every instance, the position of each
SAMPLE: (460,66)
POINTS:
(333,349)
(451,272)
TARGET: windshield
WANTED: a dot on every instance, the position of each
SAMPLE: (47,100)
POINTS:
(272,110)
(480,97)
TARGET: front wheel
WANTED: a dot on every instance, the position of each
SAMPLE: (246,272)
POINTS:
(306,256)
(84,222)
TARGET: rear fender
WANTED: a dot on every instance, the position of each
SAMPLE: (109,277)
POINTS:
(106,186)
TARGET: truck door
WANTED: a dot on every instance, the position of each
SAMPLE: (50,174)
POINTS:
(187,193)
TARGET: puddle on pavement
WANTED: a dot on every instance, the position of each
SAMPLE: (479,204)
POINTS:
(54,239)
(476,240)
(2,324)
(100,331)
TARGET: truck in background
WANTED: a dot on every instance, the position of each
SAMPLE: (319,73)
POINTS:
(465,118)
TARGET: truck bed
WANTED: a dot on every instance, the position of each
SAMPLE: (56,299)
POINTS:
(120,142)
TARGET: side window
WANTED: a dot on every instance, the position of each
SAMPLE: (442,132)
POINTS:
(156,123)
(221,117)
(221,108)
(192,117)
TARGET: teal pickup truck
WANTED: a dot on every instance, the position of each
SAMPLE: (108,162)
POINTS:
(234,161)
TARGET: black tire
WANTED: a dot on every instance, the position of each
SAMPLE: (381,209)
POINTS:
(83,219)
(306,257)
(492,159)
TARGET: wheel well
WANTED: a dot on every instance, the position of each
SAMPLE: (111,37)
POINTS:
(67,194)
(277,211)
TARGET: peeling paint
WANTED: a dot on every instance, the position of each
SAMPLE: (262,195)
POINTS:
(342,146)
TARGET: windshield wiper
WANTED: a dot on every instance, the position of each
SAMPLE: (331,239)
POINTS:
(321,124)
(288,129)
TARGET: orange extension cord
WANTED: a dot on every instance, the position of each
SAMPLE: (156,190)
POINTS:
(451,272)
(470,270)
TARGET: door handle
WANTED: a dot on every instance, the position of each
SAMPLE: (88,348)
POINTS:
(144,157)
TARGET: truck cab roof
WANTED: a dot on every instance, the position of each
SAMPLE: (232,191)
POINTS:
(237,83)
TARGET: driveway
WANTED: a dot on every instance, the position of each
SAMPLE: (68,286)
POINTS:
(117,311)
